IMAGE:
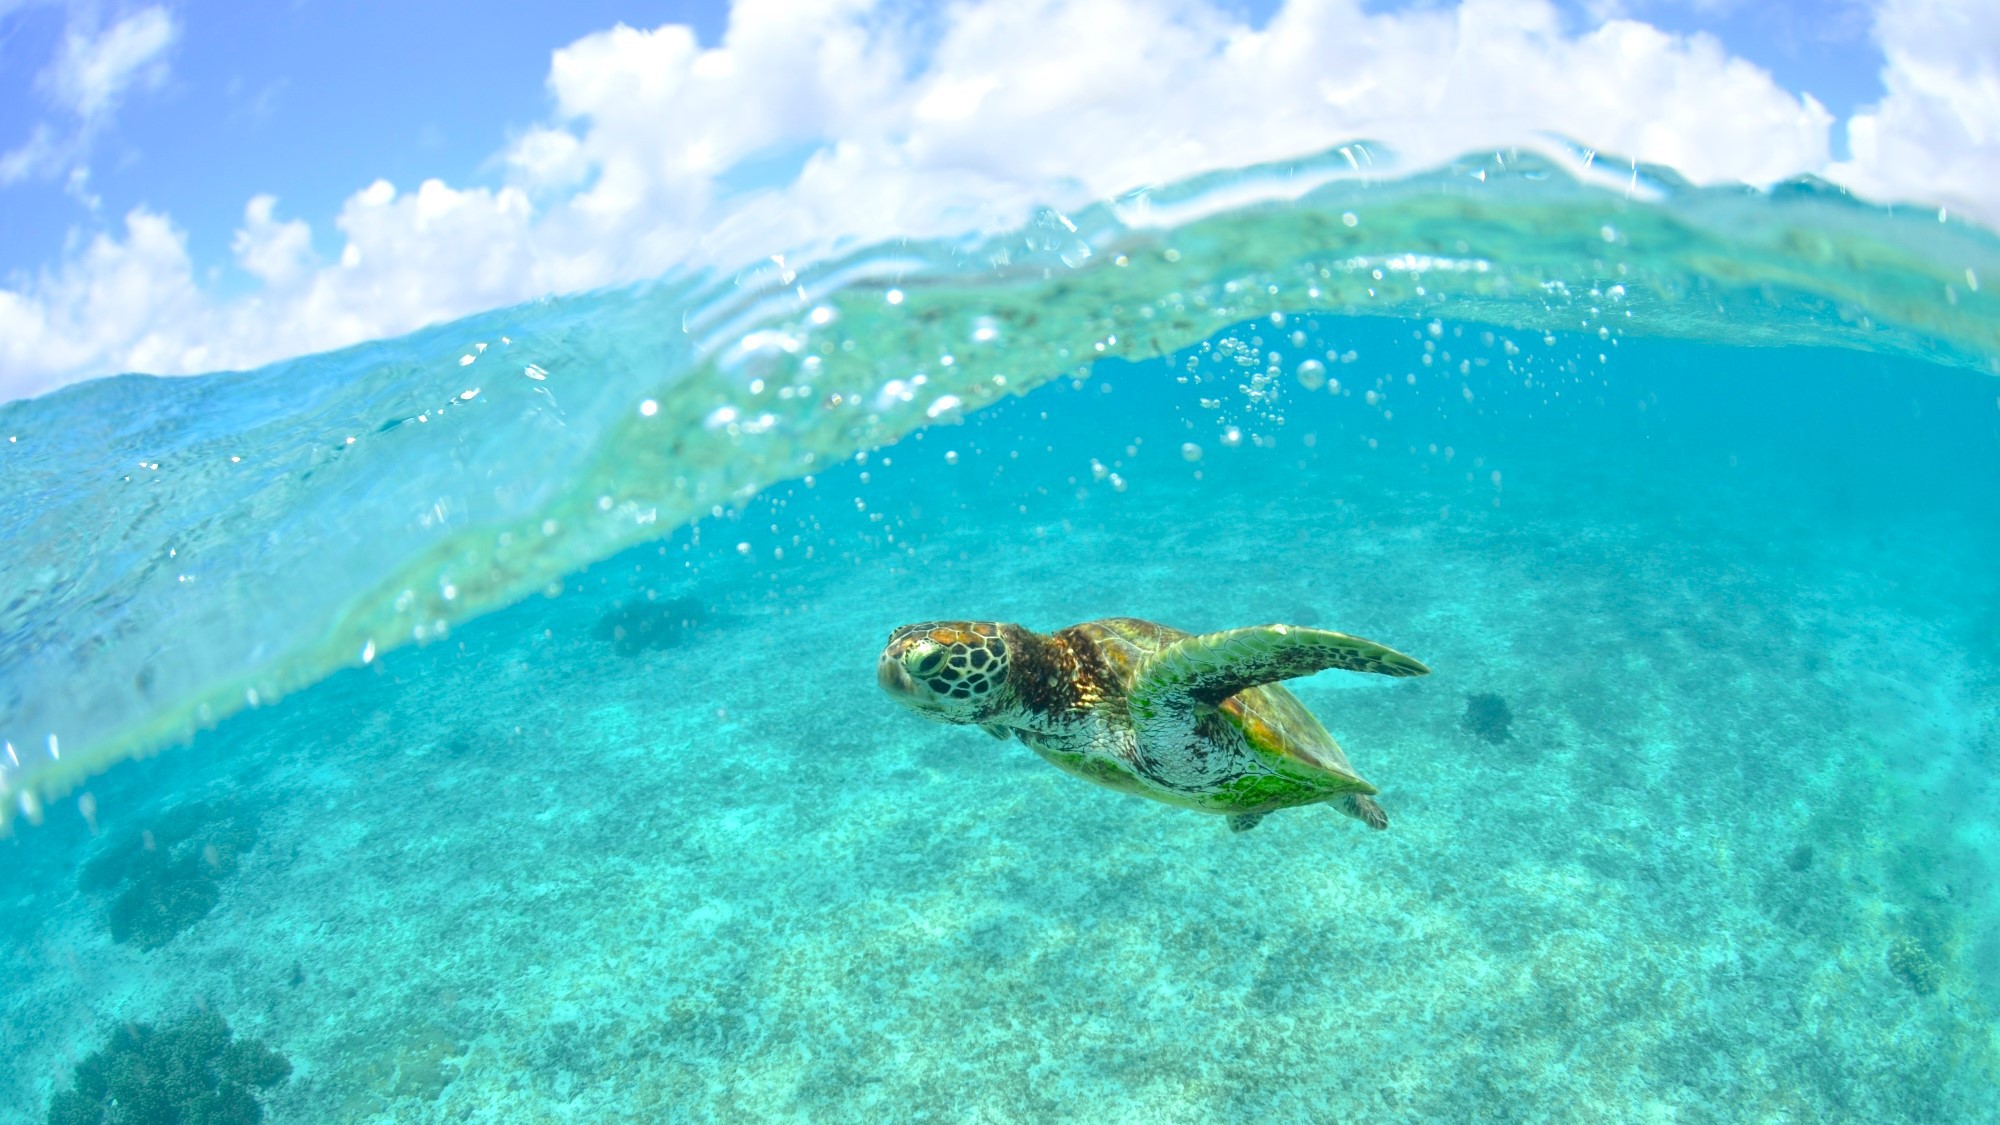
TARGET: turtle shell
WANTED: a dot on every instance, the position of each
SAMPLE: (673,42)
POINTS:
(1277,727)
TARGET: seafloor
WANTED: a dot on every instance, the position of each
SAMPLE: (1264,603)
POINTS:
(656,849)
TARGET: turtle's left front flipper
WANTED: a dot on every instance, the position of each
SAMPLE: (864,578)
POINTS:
(1214,666)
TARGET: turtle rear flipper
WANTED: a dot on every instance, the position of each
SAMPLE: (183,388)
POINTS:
(1214,666)
(1244,821)
(1364,809)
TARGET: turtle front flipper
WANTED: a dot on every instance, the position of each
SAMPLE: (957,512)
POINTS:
(1214,666)
(1244,821)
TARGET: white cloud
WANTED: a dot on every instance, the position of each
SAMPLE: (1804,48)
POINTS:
(41,150)
(119,302)
(93,70)
(990,107)
(89,77)
(276,253)
(1936,135)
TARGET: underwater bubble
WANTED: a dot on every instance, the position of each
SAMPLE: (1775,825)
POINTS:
(1312,374)
(1190,451)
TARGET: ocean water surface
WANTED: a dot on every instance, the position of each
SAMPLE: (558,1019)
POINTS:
(481,726)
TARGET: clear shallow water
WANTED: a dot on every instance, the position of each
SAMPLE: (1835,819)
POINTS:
(654,846)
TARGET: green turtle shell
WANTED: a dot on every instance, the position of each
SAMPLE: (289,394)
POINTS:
(1274,723)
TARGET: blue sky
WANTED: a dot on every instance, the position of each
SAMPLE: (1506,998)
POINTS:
(312,100)
(308,100)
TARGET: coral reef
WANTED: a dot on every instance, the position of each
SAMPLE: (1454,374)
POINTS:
(635,627)
(192,1073)
(169,876)
(1487,716)
(1913,965)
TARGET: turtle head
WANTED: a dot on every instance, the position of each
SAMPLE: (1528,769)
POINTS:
(949,671)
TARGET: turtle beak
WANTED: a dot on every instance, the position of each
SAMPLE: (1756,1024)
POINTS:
(894,680)
(890,675)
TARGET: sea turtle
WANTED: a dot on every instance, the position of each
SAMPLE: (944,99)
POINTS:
(1194,721)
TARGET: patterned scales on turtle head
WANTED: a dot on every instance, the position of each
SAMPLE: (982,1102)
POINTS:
(1195,721)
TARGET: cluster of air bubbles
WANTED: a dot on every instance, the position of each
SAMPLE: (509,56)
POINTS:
(1103,474)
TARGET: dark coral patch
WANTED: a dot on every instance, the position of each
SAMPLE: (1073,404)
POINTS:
(1487,716)
(168,874)
(1912,964)
(193,1071)
(640,626)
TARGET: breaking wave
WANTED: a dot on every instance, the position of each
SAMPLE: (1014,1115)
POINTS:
(180,549)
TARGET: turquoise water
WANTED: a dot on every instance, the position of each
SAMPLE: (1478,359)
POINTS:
(537,771)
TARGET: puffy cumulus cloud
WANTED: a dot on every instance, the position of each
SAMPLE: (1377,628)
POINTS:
(1935,136)
(118,304)
(815,121)
(1200,93)
(406,259)
(276,253)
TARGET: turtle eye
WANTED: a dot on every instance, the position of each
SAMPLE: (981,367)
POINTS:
(929,663)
